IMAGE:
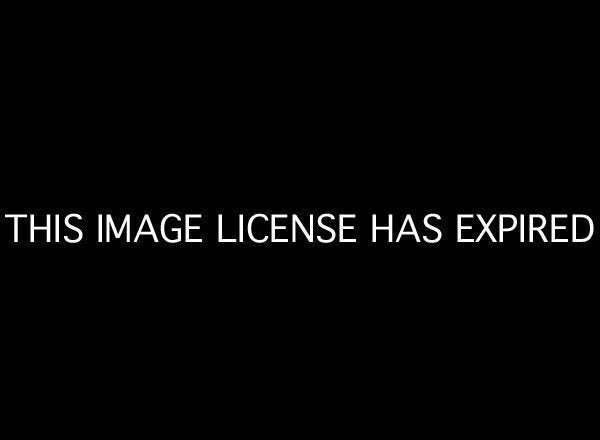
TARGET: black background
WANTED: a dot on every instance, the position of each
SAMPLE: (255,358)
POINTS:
(386,112)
